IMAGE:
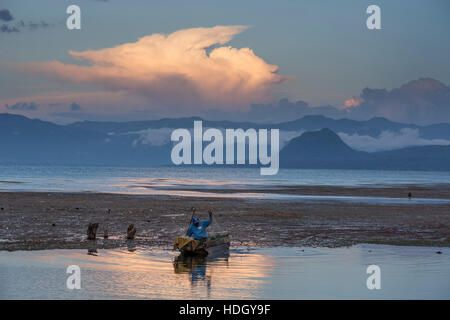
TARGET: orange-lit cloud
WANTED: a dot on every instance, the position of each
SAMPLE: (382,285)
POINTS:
(352,102)
(175,69)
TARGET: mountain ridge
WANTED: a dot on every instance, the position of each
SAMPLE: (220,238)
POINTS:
(34,141)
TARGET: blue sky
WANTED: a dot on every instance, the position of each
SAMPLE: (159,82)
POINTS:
(324,45)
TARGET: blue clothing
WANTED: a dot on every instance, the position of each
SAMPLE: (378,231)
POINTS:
(200,231)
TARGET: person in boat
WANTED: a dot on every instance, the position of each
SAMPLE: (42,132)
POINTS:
(197,229)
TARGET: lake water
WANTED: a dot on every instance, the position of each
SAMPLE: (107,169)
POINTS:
(265,273)
(201,181)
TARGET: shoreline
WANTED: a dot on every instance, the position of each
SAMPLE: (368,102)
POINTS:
(59,220)
(425,191)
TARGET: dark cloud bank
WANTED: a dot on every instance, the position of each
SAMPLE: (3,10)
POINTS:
(423,101)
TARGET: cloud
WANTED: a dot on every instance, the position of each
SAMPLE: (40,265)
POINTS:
(96,106)
(7,29)
(37,25)
(22,106)
(154,137)
(187,67)
(161,137)
(75,107)
(352,102)
(389,140)
(284,110)
(21,25)
(421,101)
(5,15)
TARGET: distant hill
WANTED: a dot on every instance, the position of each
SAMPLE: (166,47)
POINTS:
(325,149)
(372,127)
(27,141)
(414,158)
(319,149)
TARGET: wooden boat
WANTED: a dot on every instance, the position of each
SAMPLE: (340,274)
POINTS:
(214,244)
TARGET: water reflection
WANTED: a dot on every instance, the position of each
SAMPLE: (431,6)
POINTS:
(269,273)
(131,246)
(92,248)
(197,266)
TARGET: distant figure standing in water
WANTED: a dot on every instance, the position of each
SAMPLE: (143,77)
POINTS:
(197,229)
(409,195)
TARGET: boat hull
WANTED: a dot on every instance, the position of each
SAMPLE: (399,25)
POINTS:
(210,246)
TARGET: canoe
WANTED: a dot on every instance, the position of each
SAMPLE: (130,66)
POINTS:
(213,244)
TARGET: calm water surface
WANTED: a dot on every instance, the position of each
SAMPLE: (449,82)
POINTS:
(267,273)
(202,181)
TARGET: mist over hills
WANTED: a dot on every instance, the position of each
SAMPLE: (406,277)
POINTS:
(147,143)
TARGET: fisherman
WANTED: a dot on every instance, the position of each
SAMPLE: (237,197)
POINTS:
(197,229)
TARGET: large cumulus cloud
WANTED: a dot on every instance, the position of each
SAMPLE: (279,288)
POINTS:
(186,67)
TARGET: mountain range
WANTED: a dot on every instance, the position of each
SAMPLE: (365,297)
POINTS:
(372,127)
(147,143)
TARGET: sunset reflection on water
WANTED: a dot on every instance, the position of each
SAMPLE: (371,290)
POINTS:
(261,273)
(162,274)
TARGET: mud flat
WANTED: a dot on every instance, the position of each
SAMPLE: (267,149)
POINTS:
(38,220)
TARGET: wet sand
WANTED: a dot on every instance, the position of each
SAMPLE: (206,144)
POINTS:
(31,220)
(430,192)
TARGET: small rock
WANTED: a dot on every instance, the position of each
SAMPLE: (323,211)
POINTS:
(53,225)
(439,252)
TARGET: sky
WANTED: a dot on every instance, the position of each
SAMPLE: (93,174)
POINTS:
(135,60)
